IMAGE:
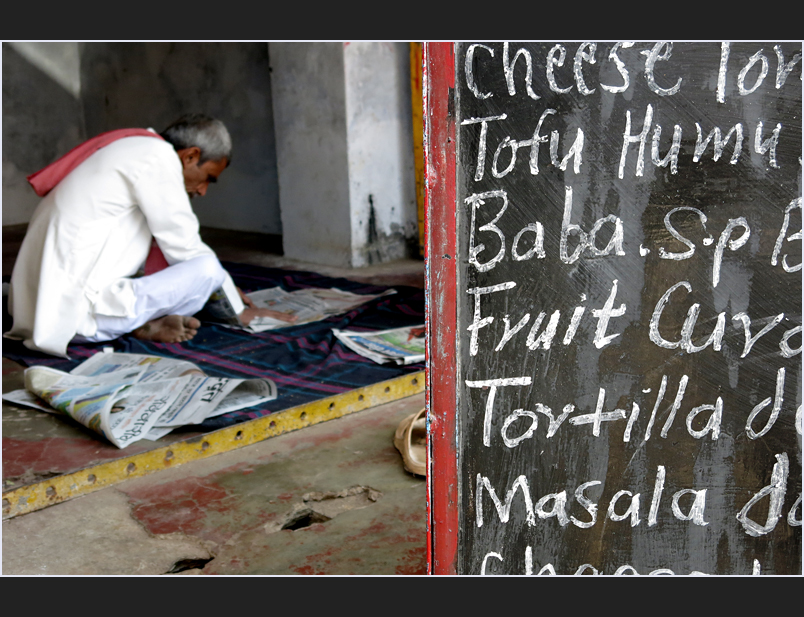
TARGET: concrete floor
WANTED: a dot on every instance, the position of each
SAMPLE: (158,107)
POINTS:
(338,488)
(332,498)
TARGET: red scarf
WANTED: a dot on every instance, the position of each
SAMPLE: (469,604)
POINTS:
(44,180)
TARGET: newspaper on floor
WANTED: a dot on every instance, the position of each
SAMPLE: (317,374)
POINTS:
(312,304)
(127,397)
(399,345)
(307,305)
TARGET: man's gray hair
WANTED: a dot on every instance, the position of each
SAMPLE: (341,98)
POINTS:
(204,132)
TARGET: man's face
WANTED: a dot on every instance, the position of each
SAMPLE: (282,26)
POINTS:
(197,178)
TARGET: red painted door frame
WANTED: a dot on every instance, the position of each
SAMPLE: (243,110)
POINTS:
(441,268)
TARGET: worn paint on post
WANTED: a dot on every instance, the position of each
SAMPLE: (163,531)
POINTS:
(440,265)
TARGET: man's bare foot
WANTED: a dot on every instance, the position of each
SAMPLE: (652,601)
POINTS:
(168,329)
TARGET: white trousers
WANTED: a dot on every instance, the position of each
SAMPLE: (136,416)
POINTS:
(180,289)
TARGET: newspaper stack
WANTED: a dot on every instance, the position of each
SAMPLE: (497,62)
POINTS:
(399,345)
(312,304)
(128,397)
(307,305)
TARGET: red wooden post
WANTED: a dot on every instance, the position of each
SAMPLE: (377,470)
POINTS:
(441,270)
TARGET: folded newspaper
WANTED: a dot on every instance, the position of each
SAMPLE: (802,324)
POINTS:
(127,397)
(307,305)
(399,345)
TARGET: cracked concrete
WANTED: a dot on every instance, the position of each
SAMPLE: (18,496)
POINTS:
(357,511)
(321,507)
(94,534)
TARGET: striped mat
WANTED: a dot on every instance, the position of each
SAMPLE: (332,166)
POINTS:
(306,361)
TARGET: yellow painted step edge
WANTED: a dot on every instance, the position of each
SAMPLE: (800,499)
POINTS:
(55,490)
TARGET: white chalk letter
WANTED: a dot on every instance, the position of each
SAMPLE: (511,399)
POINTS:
(620,67)
(774,414)
(492,385)
(696,513)
(508,69)
(733,244)
(477,322)
(775,491)
(653,56)
(720,143)
(469,69)
(783,70)
(793,205)
(604,315)
(553,61)
(481,148)
(641,138)
(589,505)
(761,147)
(477,200)
(763,71)
(580,56)
(503,510)
(633,509)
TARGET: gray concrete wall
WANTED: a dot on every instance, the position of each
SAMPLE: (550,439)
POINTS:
(42,117)
(342,113)
(310,118)
(55,95)
(382,188)
(327,134)
(152,84)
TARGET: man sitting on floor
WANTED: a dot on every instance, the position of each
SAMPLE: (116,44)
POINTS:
(74,278)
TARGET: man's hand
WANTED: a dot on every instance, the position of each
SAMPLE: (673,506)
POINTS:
(250,313)
(246,300)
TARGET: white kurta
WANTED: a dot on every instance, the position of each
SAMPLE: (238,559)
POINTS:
(91,233)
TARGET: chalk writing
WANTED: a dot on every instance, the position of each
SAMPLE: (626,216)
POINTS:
(531,568)
(629,234)
(555,505)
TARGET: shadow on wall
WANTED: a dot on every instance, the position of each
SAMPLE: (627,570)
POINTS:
(41,121)
(143,85)
(152,84)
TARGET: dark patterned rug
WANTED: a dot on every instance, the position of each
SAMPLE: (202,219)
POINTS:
(307,362)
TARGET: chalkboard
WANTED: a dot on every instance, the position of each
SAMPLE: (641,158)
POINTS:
(628,290)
